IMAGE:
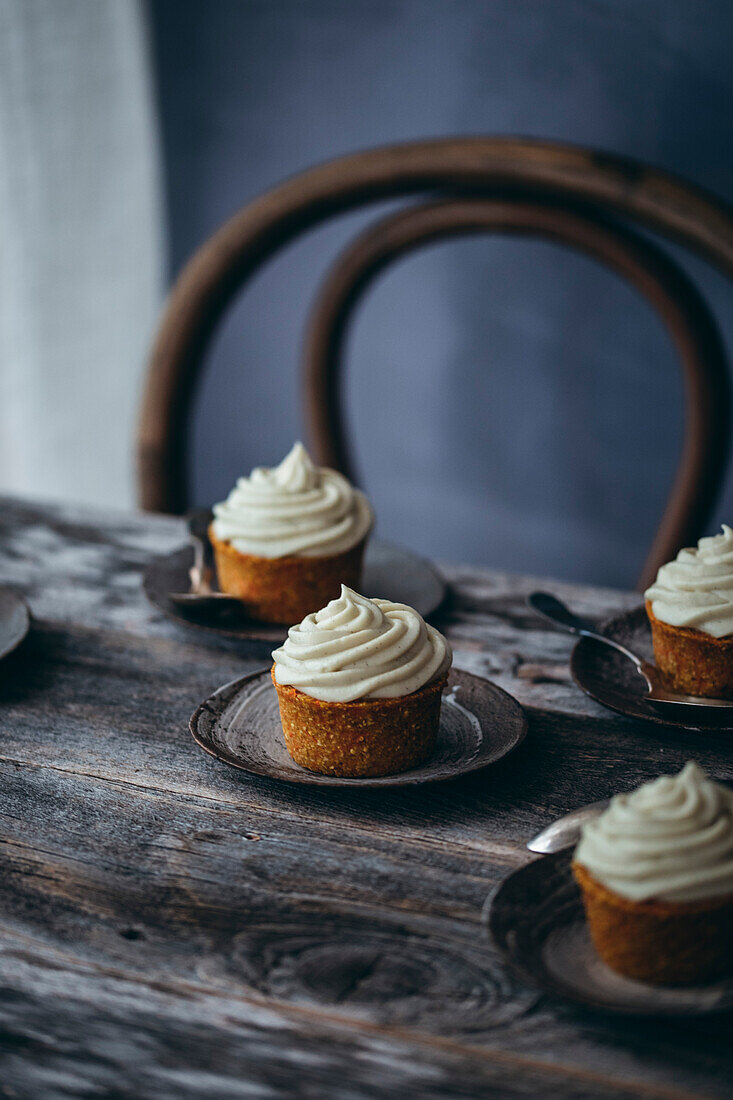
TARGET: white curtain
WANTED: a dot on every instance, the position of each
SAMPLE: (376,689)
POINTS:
(80,244)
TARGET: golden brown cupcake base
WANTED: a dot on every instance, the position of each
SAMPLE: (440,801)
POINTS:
(690,661)
(368,737)
(665,943)
(284,590)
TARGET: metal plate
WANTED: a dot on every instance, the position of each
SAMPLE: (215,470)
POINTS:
(15,621)
(611,679)
(535,917)
(240,725)
(389,572)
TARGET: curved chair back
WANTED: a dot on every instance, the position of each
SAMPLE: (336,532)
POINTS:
(575,194)
(666,287)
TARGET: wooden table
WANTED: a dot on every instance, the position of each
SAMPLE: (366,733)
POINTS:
(173,928)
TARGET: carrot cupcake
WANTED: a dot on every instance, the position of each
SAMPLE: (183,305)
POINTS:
(285,538)
(690,608)
(359,686)
(656,874)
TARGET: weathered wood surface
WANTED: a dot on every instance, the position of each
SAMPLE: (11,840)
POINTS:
(169,927)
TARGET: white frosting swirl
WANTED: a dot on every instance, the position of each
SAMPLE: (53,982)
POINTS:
(293,508)
(696,589)
(355,648)
(672,839)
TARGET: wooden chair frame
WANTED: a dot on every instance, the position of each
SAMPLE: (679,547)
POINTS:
(545,173)
(665,286)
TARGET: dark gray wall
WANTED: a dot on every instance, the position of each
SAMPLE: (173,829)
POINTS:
(512,403)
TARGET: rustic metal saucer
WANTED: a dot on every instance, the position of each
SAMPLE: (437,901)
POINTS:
(15,621)
(240,725)
(535,917)
(612,680)
(389,572)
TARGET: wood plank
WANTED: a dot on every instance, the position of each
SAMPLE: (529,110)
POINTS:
(90,702)
(171,926)
(183,1040)
(78,566)
(159,891)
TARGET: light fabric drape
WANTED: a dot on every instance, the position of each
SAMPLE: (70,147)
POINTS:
(80,249)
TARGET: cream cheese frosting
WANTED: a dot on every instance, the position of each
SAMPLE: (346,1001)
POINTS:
(355,648)
(671,840)
(696,589)
(294,508)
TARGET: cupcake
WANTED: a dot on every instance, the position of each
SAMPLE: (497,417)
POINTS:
(690,608)
(656,875)
(359,686)
(285,538)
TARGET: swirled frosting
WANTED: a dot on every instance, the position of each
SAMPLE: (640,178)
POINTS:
(355,648)
(696,589)
(294,508)
(672,839)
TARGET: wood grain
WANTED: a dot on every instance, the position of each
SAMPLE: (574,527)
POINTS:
(171,928)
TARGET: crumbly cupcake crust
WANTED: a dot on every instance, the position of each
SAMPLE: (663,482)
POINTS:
(691,661)
(367,737)
(284,590)
(661,942)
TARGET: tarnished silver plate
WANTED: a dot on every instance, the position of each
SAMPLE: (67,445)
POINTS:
(240,725)
(612,680)
(390,572)
(535,917)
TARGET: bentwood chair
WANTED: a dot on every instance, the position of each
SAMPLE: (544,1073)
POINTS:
(578,197)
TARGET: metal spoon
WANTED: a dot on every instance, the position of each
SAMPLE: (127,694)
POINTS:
(202,594)
(553,609)
(565,832)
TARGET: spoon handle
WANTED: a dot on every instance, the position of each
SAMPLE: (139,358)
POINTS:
(201,571)
(198,530)
(558,613)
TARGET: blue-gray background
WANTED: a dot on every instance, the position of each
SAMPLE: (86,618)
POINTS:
(512,404)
